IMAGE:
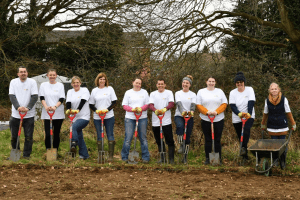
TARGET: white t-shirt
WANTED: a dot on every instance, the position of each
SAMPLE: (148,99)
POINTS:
(135,99)
(240,99)
(287,110)
(160,101)
(211,100)
(75,98)
(102,99)
(23,92)
(52,93)
(186,98)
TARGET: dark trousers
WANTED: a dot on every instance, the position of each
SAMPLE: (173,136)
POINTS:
(238,130)
(28,125)
(180,123)
(168,135)
(218,129)
(56,126)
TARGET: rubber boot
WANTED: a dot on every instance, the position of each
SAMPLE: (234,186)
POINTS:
(207,161)
(185,155)
(111,149)
(171,155)
(73,148)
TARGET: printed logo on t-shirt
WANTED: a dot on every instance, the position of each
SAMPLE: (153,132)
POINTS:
(104,94)
(141,97)
(78,97)
(189,98)
(25,89)
(55,90)
(216,96)
(164,98)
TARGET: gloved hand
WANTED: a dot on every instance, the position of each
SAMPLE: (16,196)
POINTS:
(240,115)
(163,110)
(138,109)
(183,114)
(158,112)
(104,111)
(74,111)
(191,113)
(263,127)
(294,127)
(98,112)
(133,109)
(246,115)
(68,112)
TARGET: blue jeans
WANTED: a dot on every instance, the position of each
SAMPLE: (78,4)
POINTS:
(142,134)
(109,126)
(179,121)
(77,136)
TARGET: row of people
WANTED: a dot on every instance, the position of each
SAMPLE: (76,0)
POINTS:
(210,101)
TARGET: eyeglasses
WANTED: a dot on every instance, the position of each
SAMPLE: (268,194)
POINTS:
(238,82)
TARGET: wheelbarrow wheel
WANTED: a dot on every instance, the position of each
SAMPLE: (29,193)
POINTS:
(266,165)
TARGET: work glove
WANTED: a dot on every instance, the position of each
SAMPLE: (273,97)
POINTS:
(191,113)
(99,112)
(158,112)
(263,127)
(240,115)
(138,109)
(246,115)
(133,109)
(104,111)
(68,112)
(183,114)
(294,127)
(74,111)
(164,110)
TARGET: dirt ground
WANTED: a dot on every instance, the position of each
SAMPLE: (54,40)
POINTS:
(40,182)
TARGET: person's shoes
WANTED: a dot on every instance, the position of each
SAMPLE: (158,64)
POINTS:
(125,161)
(83,158)
(243,151)
(145,161)
(26,157)
(207,161)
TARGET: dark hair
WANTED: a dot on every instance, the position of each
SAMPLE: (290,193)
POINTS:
(160,78)
(137,77)
(21,67)
(51,70)
(210,77)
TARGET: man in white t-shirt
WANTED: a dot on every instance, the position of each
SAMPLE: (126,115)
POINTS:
(23,94)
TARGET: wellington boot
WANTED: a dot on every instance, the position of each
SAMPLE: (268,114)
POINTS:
(111,149)
(171,154)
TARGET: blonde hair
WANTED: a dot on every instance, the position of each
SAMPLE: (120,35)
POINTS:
(76,78)
(274,84)
(100,75)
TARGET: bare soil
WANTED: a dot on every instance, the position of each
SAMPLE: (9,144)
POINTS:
(135,182)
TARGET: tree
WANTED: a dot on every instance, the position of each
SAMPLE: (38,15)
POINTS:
(183,25)
(99,48)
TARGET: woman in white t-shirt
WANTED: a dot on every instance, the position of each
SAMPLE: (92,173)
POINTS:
(136,101)
(160,102)
(276,115)
(242,100)
(185,105)
(213,102)
(77,103)
(52,96)
(103,99)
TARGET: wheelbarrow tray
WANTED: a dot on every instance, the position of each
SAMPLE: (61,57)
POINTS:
(264,148)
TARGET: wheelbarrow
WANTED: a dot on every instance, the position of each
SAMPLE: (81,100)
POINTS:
(268,153)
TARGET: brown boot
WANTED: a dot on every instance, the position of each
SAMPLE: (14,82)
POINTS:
(111,149)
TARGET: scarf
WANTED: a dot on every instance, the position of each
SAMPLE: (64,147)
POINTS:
(275,100)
